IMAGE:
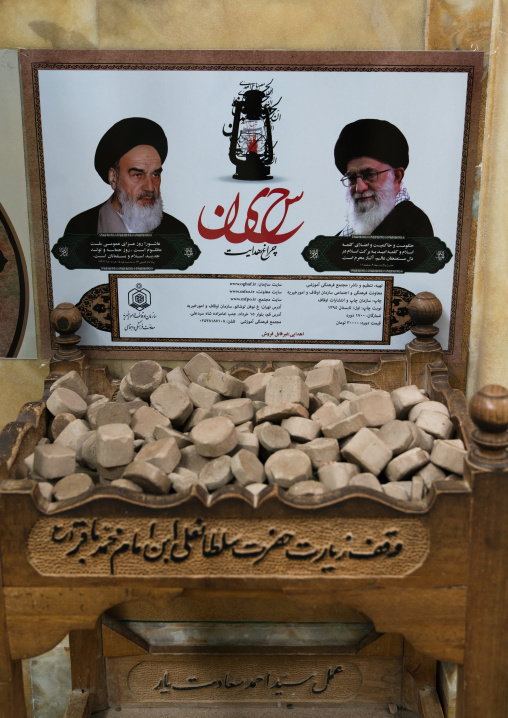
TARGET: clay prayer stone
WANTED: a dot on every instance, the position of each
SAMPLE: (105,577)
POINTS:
(200,364)
(165,432)
(306,488)
(368,451)
(431,473)
(71,486)
(247,441)
(406,464)
(281,410)
(163,453)
(366,480)
(196,416)
(338,368)
(255,386)
(405,398)
(112,413)
(273,438)
(71,380)
(356,388)
(125,391)
(72,433)
(86,451)
(288,371)
(202,397)
(323,379)
(435,424)
(397,435)
(216,473)
(145,420)
(59,423)
(222,383)
(330,413)
(337,474)
(301,429)
(427,406)
(192,460)
(446,455)
(53,461)
(66,401)
(144,377)
(46,490)
(321,451)
(247,468)
(173,402)
(345,427)
(347,396)
(93,410)
(376,406)
(127,485)
(115,445)
(237,410)
(290,389)
(214,437)
(178,376)
(184,482)
(151,479)
(92,398)
(396,490)
(288,466)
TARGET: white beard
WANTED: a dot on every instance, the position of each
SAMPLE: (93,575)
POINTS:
(139,219)
(365,217)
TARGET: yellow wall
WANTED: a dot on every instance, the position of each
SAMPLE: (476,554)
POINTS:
(301,24)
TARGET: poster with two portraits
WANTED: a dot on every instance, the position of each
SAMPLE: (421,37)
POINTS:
(273,248)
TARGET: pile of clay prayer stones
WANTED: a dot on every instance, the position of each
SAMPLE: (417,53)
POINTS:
(309,432)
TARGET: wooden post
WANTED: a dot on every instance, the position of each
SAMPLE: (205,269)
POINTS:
(485,687)
(418,671)
(429,705)
(66,319)
(88,666)
(12,699)
(424,309)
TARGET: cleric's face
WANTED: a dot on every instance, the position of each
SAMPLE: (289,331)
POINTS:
(139,175)
(365,191)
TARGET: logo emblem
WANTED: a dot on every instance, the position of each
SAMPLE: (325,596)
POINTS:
(139,298)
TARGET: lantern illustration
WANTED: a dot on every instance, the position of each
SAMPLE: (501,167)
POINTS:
(250,145)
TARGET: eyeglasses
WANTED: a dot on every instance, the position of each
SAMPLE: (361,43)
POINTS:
(368,176)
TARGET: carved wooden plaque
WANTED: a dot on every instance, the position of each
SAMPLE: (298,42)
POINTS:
(251,679)
(168,547)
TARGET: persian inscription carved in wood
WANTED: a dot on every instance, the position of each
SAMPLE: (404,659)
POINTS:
(252,679)
(167,547)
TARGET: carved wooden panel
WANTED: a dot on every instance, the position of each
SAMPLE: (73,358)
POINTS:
(253,679)
(135,546)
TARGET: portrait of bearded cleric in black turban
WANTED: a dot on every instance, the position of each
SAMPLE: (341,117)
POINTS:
(372,157)
(129,158)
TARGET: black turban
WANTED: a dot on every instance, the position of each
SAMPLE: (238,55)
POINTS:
(125,135)
(378,139)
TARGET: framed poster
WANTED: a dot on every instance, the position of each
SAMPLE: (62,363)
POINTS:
(251,203)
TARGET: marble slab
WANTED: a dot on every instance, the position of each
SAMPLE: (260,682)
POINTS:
(281,24)
(51,682)
(49,24)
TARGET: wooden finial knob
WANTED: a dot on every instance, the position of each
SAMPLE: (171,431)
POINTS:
(489,411)
(425,309)
(66,319)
